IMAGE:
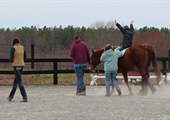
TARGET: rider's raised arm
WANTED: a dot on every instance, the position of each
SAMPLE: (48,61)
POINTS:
(131,25)
(121,28)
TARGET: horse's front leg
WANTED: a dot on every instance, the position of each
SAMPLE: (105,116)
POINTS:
(144,89)
(126,81)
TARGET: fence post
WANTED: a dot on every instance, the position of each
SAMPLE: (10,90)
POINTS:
(55,75)
(32,56)
(169,58)
(164,70)
(168,66)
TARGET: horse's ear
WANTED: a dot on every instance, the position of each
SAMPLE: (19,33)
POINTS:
(92,51)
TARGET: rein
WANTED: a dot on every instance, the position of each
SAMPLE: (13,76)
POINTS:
(97,70)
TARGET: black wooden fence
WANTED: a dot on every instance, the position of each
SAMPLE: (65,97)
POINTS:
(55,71)
(165,66)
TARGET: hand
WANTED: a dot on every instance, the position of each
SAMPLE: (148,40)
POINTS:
(131,22)
(115,21)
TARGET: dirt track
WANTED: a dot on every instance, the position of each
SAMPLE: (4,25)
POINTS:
(61,103)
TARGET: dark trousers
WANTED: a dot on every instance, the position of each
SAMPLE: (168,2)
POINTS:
(18,81)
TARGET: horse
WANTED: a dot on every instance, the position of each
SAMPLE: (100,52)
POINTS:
(135,57)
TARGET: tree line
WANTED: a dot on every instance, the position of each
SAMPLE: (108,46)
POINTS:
(56,41)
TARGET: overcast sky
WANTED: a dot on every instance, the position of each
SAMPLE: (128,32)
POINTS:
(78,13)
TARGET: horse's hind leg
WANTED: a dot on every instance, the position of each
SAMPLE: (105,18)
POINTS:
(126,81)
(145,77)
(145,86)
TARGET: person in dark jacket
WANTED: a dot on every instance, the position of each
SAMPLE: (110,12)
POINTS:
(127,35)
(80,55)
(18,57)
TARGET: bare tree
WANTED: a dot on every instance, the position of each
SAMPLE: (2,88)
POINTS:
(101,33)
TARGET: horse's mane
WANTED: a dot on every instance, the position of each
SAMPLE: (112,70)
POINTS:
(98,52)
(101,49)
(114,47)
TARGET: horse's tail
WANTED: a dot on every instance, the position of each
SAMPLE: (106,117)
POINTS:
(152,55)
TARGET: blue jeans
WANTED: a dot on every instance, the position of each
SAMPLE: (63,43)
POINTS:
(18,81)
(150,85)
(122,48)
(80,77)
(112,77)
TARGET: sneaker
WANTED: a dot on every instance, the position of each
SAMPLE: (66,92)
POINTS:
(83,93)
(24,100)
(107,94)
(153,92)
(9,99)
(119,91)
(77,93)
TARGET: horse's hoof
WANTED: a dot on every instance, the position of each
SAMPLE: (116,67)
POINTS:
(111,92)
(131,93)
(143,93)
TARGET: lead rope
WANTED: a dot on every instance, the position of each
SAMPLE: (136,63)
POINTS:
(97,70)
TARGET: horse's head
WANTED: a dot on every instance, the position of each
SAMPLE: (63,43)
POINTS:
(95,59)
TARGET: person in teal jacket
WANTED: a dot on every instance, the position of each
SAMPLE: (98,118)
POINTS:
(110,59)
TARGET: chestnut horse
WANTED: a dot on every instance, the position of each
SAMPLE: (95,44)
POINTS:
(135,57)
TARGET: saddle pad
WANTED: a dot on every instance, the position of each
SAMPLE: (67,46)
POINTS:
(123,51)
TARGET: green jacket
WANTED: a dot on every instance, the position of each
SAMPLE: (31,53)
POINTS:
(110,59)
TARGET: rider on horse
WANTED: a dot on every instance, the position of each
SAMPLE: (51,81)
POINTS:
(127,35)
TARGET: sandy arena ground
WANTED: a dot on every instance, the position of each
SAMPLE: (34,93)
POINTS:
(58,102)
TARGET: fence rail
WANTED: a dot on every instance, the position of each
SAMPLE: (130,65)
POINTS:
(55,71)
(165,66)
